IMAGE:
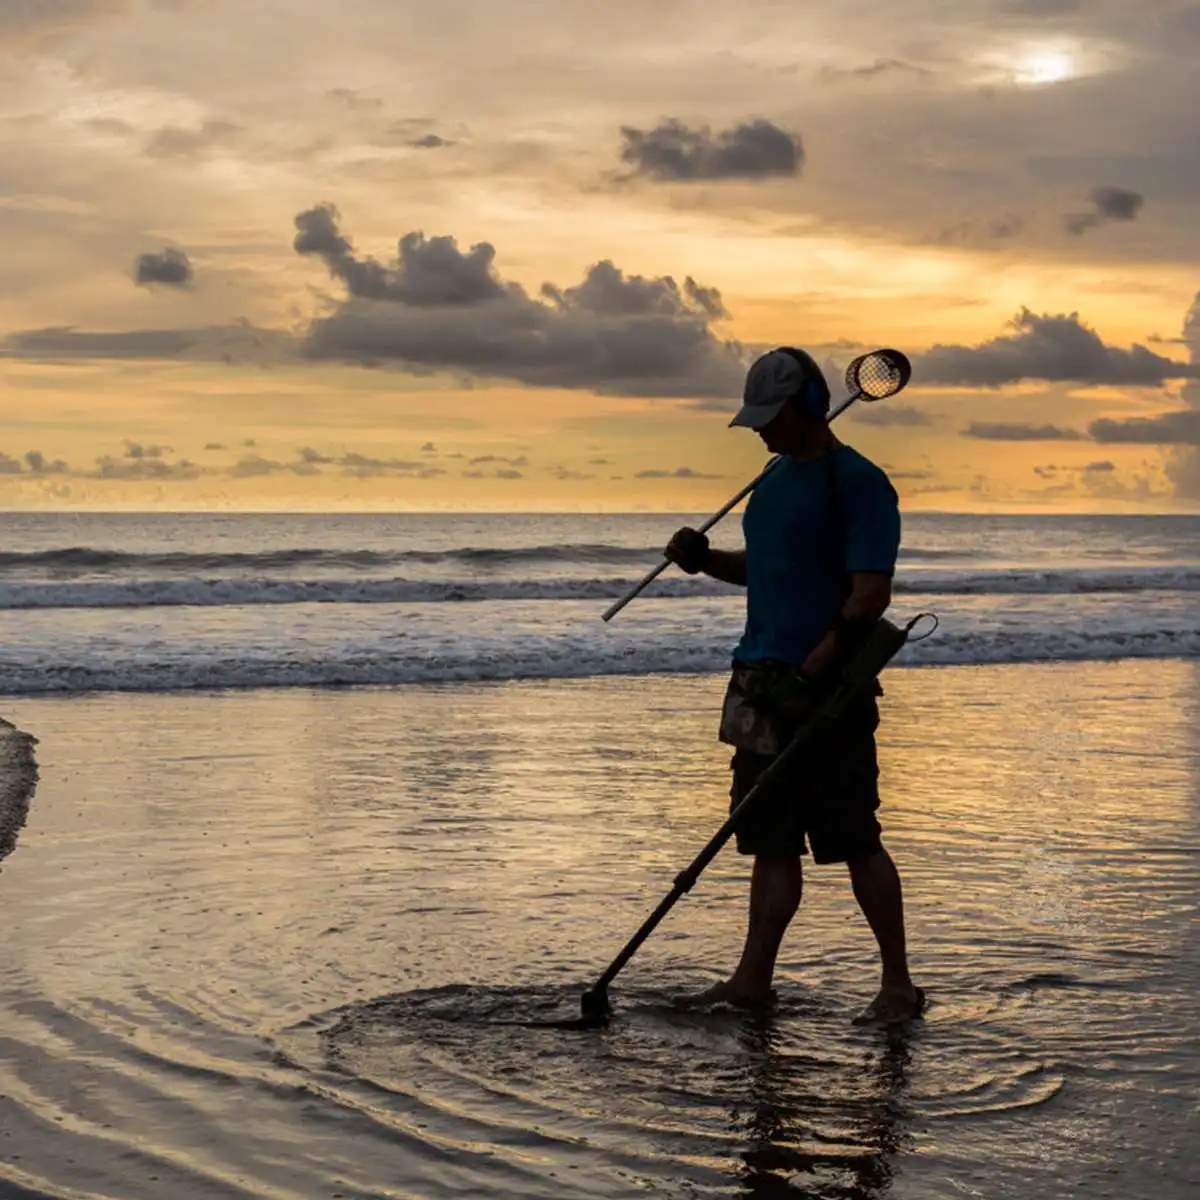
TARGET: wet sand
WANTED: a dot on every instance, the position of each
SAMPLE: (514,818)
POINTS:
(265,944)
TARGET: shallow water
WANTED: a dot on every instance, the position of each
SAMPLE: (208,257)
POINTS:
(280,945)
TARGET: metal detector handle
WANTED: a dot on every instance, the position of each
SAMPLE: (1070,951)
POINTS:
(648,579)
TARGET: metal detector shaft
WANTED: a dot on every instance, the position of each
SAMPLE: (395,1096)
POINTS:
(651,576)
(871,658)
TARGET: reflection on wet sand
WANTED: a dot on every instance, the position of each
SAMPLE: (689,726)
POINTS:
(819,1130)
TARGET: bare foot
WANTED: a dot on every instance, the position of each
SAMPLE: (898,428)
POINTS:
(893,1006)
(728,992)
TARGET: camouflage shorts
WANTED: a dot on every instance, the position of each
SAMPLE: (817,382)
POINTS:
(828,797)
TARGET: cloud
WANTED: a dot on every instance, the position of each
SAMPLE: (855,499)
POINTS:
(429,448)
(239,342)
(678,473)
(520,461)
(171,141)
(352,99)
(39,464)
(896,414)
(874,70)
(1001,431)
(138,469)
(35,463)
(137,450)
(255,466)
(428,272)
(170,267)
(1179,428)
(1109,204)
(1055,348)
(508,473)
(214,445)
(363,466)
(671,152)
(438,308)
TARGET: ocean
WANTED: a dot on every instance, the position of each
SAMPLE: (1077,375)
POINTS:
(132,602)
(272,937)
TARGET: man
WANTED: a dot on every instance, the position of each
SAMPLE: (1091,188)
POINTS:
(822,532)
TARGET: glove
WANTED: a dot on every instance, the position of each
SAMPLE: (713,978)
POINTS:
(689,550)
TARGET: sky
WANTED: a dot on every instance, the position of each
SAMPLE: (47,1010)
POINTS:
(511,255)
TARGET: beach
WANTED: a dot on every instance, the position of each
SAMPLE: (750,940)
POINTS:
(268,943)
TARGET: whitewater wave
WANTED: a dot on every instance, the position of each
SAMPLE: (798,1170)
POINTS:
(151,593)
(570,659)
(85,559)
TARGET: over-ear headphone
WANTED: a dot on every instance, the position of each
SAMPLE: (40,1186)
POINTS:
(815,395)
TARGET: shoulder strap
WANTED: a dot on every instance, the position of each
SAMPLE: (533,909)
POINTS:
(838,514)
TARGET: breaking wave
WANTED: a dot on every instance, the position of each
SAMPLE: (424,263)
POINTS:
(205,592)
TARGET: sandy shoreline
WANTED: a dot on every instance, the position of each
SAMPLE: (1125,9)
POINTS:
(202,879)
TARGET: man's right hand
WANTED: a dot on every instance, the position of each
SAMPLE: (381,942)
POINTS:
(689,550)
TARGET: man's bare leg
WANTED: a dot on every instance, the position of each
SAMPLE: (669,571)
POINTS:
(775,888)
(877,889)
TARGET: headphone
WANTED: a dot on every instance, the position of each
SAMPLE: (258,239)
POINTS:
(815,396)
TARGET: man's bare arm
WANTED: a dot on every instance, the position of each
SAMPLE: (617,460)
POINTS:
(729,566)
(870,596)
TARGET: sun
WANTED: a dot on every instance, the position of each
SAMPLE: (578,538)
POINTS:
(1044,66)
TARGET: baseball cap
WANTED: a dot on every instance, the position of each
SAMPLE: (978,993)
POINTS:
(774,379)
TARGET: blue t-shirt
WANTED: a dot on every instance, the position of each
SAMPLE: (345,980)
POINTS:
(794,581)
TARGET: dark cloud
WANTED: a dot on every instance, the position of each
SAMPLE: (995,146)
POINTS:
(170,267)
(1103,465)
(438,308)
(140,469)
(565,475)
(137,450)
(671,152)
(9,465)
(678,473)
(894,414)
(1180,428)
(214,445)
(1003,431)
(429,271)
(39,464)
(429,448)
(508,473)
(1108,204)
(309,455)
(1054,348)
(430,141)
